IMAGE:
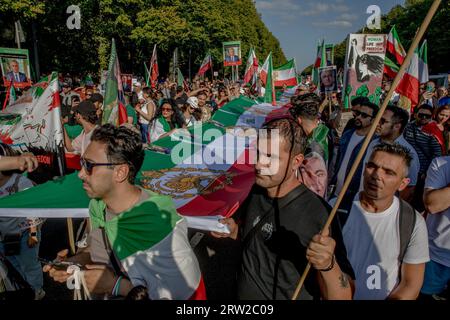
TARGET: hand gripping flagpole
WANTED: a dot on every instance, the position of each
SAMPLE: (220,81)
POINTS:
(406,62)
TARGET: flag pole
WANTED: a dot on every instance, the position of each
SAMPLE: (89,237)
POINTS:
(71,236)
(406,62)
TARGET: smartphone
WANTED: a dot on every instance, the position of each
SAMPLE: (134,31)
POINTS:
(60,265)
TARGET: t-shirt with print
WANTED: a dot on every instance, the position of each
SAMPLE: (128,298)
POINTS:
(438,177)
(11,225)
(372,241)
(274,254)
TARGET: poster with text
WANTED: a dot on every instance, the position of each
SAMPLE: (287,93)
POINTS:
(364,65)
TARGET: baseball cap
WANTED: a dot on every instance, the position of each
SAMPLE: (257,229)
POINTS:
(193,102)
(85,108)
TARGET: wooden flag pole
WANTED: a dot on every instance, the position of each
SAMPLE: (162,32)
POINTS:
(71,236)
(406,62)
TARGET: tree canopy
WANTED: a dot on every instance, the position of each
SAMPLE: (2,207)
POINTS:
(407,19)
(194,26)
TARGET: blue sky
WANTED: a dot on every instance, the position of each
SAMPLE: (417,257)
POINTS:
(300,24)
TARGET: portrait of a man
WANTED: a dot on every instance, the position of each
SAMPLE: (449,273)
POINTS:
(231,55)
(328,81)
(14,74)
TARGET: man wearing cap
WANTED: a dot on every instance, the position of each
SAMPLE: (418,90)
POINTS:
(86,116)
(189,108)
(67,94)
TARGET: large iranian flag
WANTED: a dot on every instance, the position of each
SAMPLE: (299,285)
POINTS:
(154,69)
(209,174)
(285,74)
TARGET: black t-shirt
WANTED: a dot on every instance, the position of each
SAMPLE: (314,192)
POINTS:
(274,254)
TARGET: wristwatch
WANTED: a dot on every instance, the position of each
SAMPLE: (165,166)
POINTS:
(33,234)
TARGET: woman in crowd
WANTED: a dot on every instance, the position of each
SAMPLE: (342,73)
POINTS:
(167,119)
(437,128)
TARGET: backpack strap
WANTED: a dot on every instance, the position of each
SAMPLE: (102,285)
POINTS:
(407,221)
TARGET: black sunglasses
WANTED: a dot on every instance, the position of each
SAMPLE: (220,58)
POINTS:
(362,114)
(89,165)
(424,116)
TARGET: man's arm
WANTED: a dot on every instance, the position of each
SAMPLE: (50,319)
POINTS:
(437,200)
(334,284)
(411,282)
(67,141)
(25,161)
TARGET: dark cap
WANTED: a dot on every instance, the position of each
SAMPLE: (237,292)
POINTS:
(85,108)
(96,97)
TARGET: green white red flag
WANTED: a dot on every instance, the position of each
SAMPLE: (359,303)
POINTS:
(285,75)
(251,69)
(409,85)
(266,76)
(423,63)
(206,65)
(154,69)
(114,110)
(395,47)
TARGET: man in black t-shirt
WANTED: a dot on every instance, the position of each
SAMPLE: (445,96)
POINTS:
(279,226)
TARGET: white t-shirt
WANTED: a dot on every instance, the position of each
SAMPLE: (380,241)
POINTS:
(415,164)
(438,177)
(354,140)
(80,143)
(372,241)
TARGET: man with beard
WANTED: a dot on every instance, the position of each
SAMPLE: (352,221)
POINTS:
(349,146)
(138,243)
(279,225)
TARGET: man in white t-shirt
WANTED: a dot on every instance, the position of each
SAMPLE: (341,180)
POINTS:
(390,130)
(372,234)
(85,115)
(437,203)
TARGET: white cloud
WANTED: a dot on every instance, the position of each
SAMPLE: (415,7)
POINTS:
(276,6)
(348,17)
(335,23)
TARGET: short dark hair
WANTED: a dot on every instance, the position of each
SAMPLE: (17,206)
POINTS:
(373,106)
(395,149)
(399,115)
(122,145)
(306,106)
(359,101)
(147,91)
(424,106)
(292,133)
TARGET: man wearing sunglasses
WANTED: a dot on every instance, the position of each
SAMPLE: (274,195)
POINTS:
(390,130)
(426,146)
(138,244)
(349,146)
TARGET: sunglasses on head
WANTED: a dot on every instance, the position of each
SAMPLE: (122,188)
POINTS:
(362,114)
(424,116)
(89,165)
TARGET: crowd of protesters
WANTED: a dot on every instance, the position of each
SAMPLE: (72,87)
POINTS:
(390,239)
